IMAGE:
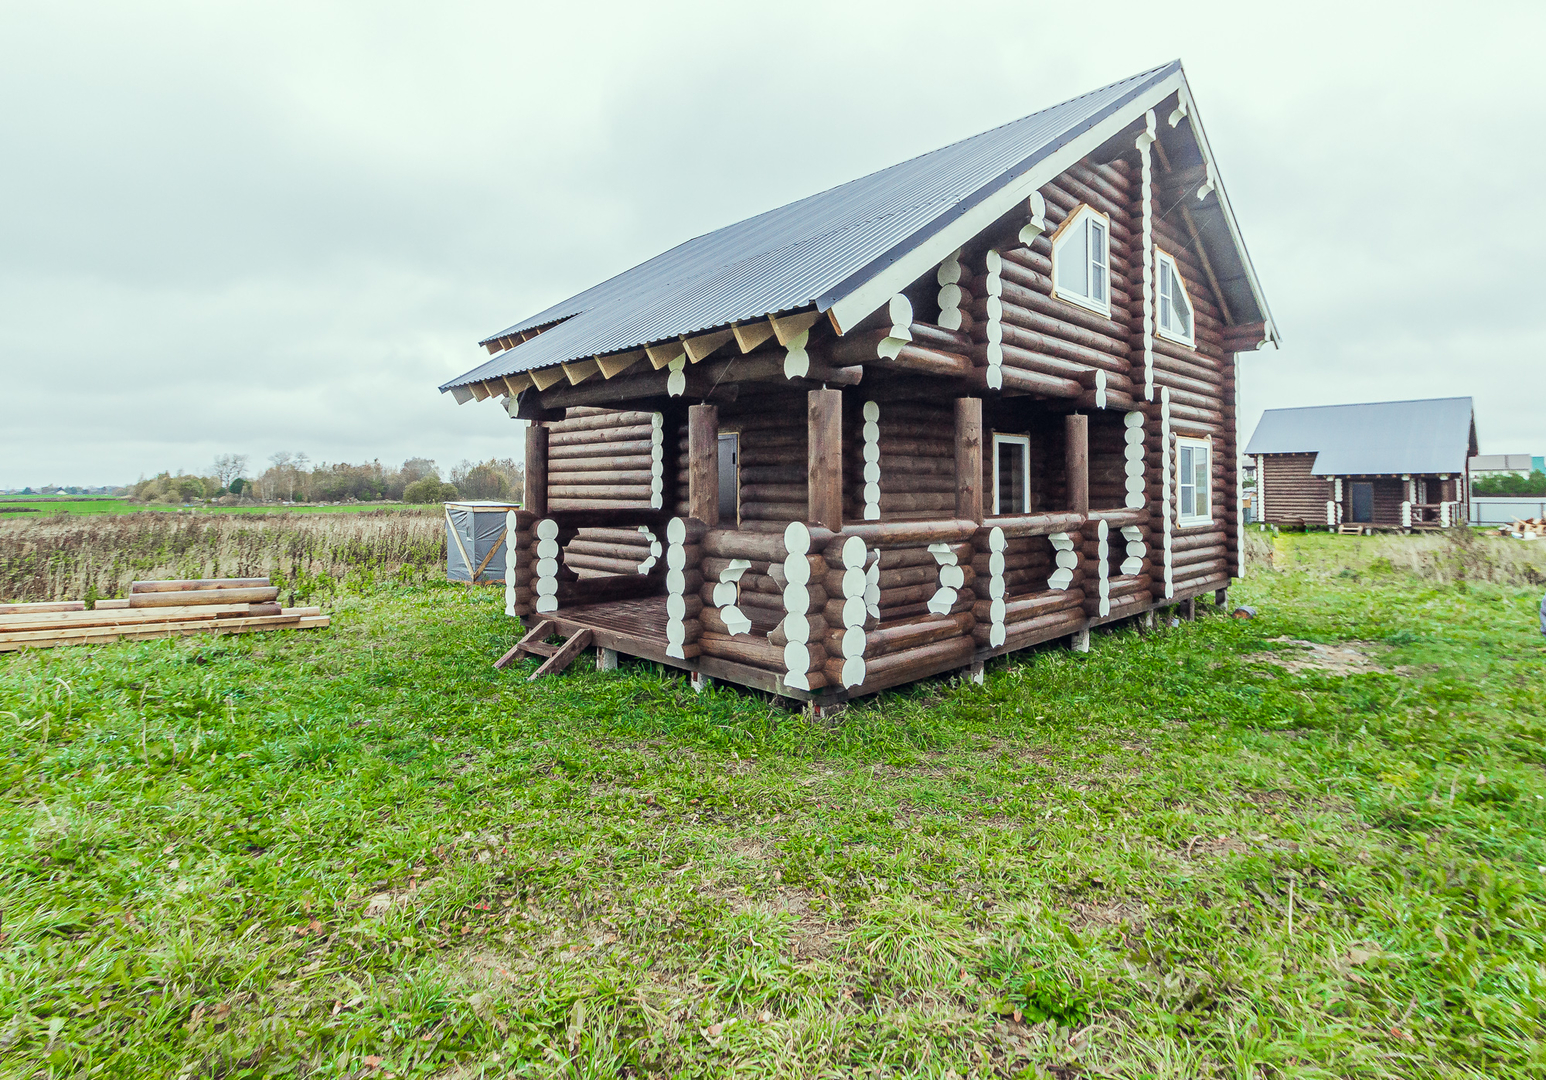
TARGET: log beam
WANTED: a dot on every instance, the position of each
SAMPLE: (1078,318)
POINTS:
(969,495)
(534,493)
(1076,441)
(703,463)
(825,467)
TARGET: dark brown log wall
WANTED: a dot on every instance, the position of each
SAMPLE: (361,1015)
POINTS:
(1290,492)
(917,459)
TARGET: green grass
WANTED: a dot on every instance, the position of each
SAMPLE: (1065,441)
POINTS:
(15,508)
(362,850)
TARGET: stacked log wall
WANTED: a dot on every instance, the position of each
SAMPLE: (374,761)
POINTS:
(915,445)
(1291,492)
(606,459)
(1047,345)
(1194,397)
(1044,429)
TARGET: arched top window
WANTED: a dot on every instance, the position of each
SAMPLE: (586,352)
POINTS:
(1081,260)
(1174,315)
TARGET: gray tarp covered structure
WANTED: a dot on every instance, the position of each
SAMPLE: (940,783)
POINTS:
(475,537)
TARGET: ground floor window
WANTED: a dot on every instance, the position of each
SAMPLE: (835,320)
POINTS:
(1011,474)
(1193,480)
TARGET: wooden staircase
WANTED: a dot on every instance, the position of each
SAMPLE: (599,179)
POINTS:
(535,643)
(1350,530)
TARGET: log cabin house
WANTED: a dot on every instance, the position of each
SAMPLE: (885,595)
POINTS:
(1382,465)
(973,402)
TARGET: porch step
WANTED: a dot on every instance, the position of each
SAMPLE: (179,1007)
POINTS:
(558,657)
(533,642)
(1350,530)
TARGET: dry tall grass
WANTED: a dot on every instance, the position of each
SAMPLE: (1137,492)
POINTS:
(1443,558)
(85,557)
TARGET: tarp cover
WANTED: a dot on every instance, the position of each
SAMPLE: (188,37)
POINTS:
(480,529)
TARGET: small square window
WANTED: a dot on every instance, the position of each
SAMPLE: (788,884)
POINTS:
(1194,484)
(1081,260)
(1011,474)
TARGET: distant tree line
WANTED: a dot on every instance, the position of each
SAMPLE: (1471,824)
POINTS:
(1510,484)
(294,478)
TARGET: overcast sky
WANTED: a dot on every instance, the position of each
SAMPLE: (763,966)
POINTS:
(253,227)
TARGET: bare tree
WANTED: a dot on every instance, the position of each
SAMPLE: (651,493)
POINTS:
(228,467)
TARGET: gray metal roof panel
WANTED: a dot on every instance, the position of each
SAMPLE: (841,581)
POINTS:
(1386,438)
(798,254)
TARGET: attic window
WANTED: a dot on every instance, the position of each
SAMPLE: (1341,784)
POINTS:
(1081,263)
(1175,307)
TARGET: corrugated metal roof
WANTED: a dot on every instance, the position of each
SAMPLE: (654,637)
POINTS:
(1385,438)
(794,256)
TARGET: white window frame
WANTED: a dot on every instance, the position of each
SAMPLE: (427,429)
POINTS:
(1183,519)
(1082,214)
(1162,258)
(1024,443)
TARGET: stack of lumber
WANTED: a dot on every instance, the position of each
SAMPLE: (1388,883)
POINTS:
(155,609)
(1528,528)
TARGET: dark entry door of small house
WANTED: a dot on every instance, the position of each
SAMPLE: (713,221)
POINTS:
(729,480)
(1363,502)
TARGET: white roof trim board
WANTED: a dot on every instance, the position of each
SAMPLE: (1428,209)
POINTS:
(1383,438)
(848,250)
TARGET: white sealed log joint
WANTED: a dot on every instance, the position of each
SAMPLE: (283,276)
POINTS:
(996,545)
(1065,558)
(1036,208)
(727,592)
(951,298)
(1132,464)
(676,588)
(951,579)
(658,461)
(1135,550)
(797,602)
(1103,566)
(797,362)
(855,613)
(547,565)
(676,379)
(512,560)
(871,461)
(656,551)
(995,328)
(900,311)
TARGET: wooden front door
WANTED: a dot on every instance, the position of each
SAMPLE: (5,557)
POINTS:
(729,480)
(1362,498)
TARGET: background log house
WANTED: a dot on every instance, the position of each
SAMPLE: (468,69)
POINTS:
(1385,465)
(856,460)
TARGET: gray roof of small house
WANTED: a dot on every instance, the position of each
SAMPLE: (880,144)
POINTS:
(820,248)
(1381,438)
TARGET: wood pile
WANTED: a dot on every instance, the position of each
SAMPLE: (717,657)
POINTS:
(155,609)
(1527,528)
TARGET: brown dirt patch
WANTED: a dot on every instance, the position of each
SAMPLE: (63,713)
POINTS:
(1349,658)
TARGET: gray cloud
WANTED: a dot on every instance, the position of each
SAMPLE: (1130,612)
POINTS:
(259,227)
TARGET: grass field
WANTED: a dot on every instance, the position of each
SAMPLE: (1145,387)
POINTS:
(25,507)
(1205,852)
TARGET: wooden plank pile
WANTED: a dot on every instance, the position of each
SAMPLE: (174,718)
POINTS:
(155,609)
(1527,528)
